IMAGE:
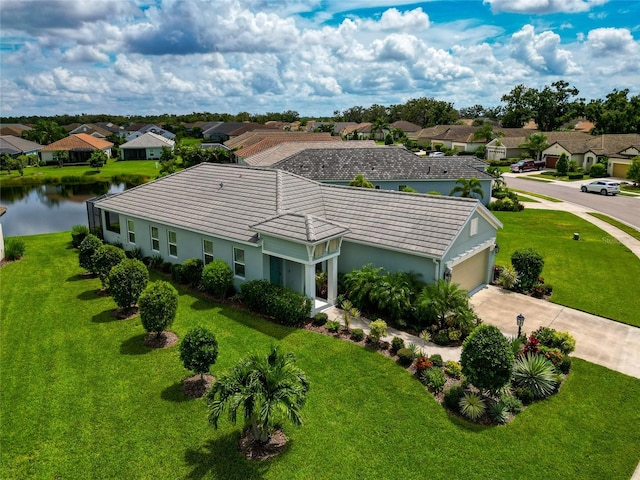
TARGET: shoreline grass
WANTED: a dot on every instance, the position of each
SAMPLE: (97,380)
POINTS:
(83,398)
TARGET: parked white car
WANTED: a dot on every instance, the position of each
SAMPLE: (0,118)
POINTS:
(603,187)
(436,154)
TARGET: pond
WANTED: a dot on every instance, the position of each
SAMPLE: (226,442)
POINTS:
(49,208)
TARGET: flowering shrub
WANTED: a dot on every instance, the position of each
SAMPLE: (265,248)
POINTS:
(422,363)
(554,355)
(531,346)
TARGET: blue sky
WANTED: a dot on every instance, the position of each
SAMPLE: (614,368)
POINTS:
(314,56)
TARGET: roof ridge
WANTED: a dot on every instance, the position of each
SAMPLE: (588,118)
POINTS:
(279,192)
(311,233)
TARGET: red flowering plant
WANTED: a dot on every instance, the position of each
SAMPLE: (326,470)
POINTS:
(531,346)
(554,355)
(422,363)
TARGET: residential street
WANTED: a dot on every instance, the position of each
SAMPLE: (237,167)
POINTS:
(626,209)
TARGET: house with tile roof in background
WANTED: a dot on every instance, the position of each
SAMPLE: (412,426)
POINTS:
(16,146)
(146,147)
(15,129)
(275,225)
(79,146)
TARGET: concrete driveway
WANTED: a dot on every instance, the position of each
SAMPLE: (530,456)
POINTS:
(598,340)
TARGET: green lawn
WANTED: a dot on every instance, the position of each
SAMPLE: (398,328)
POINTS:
(539,195)
(596,274)
(82,397)
(145,168)
(622,226)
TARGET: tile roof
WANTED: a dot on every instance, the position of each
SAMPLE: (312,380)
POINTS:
(91,129)
(78,141)
(260,141)
(283,150)
(514,141)
(406,126)
(300,227)
(148,140)
(231,201)
(378,164)
(11,143)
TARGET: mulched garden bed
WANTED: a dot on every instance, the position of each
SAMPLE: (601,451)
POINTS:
(195,386)
(166,339)
(257,451)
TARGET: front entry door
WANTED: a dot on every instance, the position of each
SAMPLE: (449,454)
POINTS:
(275,270)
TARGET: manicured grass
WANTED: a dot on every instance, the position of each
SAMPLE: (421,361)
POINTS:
(539,195)
(526,199)
(596,274)
(144,168)
(566,178)
(622,226)
(534,179)
(82,397)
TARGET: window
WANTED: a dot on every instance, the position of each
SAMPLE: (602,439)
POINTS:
(334,244)
(401,188)
(113,221)
(319,250)
(131,231)
(207,251)
(377,187)
(473,227)
(173,243)
(238,262)
(155,239)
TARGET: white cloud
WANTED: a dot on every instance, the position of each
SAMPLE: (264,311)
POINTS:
(135,68)
(541,52)
(542,7)
(607,41)
(84,54)
(397,47)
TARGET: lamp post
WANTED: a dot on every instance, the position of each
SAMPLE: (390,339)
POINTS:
(520,322)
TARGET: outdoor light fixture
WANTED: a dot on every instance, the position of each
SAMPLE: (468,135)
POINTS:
(447,274)
(496,249)
(520,321)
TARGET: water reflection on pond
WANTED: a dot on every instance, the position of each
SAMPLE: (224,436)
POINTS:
(49,208)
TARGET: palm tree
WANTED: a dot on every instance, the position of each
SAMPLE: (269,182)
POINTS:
(468,187)
(380,125)
(498,179)
(268,388)
(535,143)
(447,304)
(486,132)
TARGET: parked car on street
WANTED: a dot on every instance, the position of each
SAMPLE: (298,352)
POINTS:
(436,154)
(603,187)
(527,165)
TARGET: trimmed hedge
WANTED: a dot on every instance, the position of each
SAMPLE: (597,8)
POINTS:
(276,301)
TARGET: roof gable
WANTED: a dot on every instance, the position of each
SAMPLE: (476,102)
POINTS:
(78,141)
(148,140)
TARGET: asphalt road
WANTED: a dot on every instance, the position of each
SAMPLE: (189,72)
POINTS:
(626,209)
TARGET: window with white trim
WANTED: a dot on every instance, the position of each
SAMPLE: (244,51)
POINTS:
(473,227)
(131,232)
(172,238)
(207,251)
(155,239)
(238,262)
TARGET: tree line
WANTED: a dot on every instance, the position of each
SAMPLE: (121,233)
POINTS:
(550,107)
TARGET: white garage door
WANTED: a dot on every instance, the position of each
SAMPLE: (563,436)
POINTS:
(472,272)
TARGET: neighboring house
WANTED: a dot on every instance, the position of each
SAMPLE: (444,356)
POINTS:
(16,146)
(151,129)
(113,129)
(406,127)
(269,224)
(91,129)
(146,147)
(257,141)
(223,131)
(617,148)
(387,168)
(80,147)
(362,130)
(509,145)
(15,129)
(281,151)
(459,137)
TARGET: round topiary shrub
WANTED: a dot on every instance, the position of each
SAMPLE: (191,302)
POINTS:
(127,280)
(441,338)
(396,344)
(357,334)
(105,258)
(528,264)
(199,350)
(192,271)
(217,278)
(158,304)
(487,359)
(405,357)
(436,358)
(87,248)
(452,398)
(320,318)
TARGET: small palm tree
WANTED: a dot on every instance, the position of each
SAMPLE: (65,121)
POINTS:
(446,304)
(380,125)
(468,187)
(267,388)
(535,144)
(485,132)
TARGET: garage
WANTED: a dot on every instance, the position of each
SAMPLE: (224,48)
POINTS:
(619,170)
(471,273)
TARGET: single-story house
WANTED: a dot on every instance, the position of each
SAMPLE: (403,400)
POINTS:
(257,141)
(15,129)
(80,147)
(509,146)
(151,129)
(275,154)
(387,167)
(270,224)
(91,129)
(224,131)
(145,147)
(16,146)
